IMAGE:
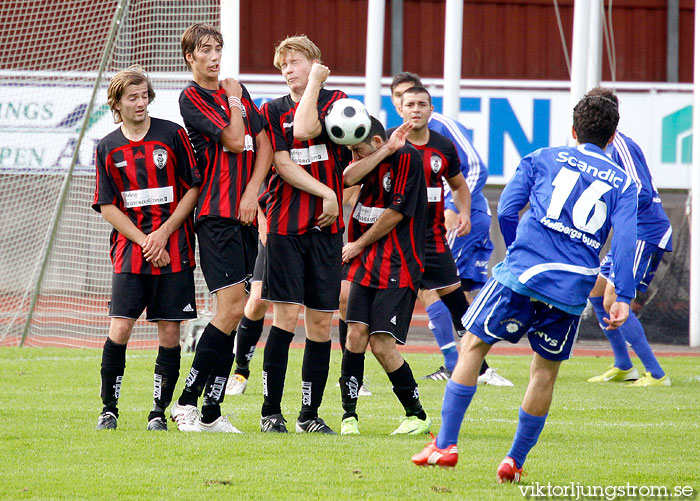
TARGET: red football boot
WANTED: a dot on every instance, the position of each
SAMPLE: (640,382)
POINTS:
(434,456)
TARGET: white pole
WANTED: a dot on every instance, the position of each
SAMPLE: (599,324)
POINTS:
(595,45)
(454,11)
(231,30)
(374,56)
(579,51)
(694,327)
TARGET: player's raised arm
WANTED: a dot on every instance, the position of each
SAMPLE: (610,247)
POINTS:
(306,121)
(233,135)
(362,164)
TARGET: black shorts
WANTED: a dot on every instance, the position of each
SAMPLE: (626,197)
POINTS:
(164,297)
(259,263)
(303,269)
(227,251)
(440,270)
(382,310)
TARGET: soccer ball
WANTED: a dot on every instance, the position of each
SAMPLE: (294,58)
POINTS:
(347,121)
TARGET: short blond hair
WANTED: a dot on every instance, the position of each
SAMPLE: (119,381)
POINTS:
(133,75)
(298,43)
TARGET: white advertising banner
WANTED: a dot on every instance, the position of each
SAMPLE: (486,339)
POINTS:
(39,124)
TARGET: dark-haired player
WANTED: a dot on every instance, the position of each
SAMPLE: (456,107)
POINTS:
(384,257)
(304,237)
(147,186)
(233,156)
(577,195)
(471,252)
(653,240)
(441,290)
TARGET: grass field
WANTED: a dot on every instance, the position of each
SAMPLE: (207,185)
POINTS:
(596,435)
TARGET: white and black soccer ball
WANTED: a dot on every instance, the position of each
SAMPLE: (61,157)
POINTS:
(347,121)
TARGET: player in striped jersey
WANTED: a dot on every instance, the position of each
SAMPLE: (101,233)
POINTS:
(384,263)
(147,186)
(304,237)
(577,195)
(470,252)
(233,157)
(653,240)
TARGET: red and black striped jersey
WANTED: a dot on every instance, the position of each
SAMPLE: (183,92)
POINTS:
(291,211)
(146,180)
(395,260)
(440,161)
(225,174)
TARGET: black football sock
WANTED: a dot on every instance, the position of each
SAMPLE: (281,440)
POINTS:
(352,372)
(215,389)
(483,368)
(314,376)
(342,333)
(111,374)
(210,345)
(249,332)
(406,390)
(275,357)
(165,378)
(457,303)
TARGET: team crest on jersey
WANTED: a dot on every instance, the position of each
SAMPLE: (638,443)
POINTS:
(435,164)
(160,157)
(386,181)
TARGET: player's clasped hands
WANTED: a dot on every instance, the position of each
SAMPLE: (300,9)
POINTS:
(153,248)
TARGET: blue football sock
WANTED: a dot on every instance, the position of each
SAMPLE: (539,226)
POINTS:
(526,436)
(441,327)
(633,332)
(617,342)
(454,404)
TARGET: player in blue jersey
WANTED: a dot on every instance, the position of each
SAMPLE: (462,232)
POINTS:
(577,195)
(653,240)
(471,252)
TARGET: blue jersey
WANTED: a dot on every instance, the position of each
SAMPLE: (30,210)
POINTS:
(576,195)
(653,225)
(471,165)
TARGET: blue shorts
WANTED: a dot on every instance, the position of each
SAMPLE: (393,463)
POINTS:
(646,260)
(473,251)
(500,314)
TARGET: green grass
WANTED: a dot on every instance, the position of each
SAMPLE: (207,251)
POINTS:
(596,435)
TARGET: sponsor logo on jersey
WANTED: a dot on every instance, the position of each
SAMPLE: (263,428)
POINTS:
(306,156)
(160,157)
(121,165)
(367,215)
(148,196)
(434,195)
(608,175)
(287,125)
(435,164)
